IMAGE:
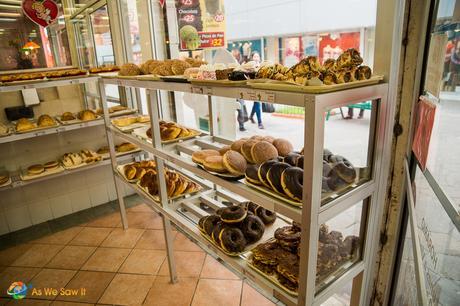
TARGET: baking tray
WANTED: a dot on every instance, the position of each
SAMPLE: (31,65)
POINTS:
(27,177)
(227,176)
(175,78)
(76,120)
(314,89)
(131,127)
(142,133)
(271,278)
(37,128)
(228,83)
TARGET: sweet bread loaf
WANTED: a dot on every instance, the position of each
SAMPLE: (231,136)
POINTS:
(67,116)
(129,69)
(45,120)
(86,115)
(24,124)
(125,147)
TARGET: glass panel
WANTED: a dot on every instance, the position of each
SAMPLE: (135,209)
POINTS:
(84,42)
(443,81)
(340,243)
(440,245)
(102,37)
(25,45)
(340,298)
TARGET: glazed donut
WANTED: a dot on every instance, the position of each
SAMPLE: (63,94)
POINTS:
(327,155)
(300,162)
(274,176)
(220,210)
(288,238)
(263,170)
(253,228)
(292,158)
(210,223)
(326,168)
(216,231)
(267,216)
(344,168)
(232,239)
(325,185)
(292,182)
(201,223)
(334,182)
(233,214)
(252,175)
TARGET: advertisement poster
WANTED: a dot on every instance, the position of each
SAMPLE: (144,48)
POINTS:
(426,111)
(201,24)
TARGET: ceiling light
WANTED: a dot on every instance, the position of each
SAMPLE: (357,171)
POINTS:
(10,7)
(2,14)
(8,19)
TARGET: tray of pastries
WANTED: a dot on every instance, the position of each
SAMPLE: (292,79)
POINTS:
(68,118)
(115,111)
(5,179)
(278,258)
(80,159)
(5,130)
(24,125)
(310,76)
(120,149)
(236,229)
(133,172)
(169,131)
(40,170)
(127,124)
(103,69)
(22,78)
(223,74)
(66,73)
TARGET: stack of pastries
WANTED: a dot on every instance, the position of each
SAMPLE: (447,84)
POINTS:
(280,257)
(234,227)
(309,71)
(170,130)
(167,67)
(85,156)
(145,174)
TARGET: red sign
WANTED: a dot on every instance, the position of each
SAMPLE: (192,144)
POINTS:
(426,111)
(42,12)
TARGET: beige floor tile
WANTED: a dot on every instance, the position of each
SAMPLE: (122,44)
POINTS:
(91,236)
(143,262)
(214,269)
(156,222)
(62,303)
(94,284)
(182,243)
(50,279)
(188,264)
(150,220)
(110,220)
(106,259)
(14,274)
(140,208)
(153,240)
(38,255)
(251,297)
(127,289)
(71,257)
(61,237)
(163,293)
(120,238)
(217,292)
(8,256)
(31,302)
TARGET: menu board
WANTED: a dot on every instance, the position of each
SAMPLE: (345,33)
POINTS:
(201,24)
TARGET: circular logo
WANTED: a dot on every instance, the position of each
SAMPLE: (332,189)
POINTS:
(17,290)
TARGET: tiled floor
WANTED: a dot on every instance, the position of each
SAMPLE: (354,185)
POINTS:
(113,266)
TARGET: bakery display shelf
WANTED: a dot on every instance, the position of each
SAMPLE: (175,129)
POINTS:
(17,182)
(51,130)
(189,228)
(15,86)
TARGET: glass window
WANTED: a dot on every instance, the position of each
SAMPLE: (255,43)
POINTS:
(25,45)
(102,37)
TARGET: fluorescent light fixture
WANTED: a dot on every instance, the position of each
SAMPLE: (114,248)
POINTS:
(10,7)
(8,19)
(2,14)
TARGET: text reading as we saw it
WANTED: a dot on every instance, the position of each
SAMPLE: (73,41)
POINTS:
(56,292)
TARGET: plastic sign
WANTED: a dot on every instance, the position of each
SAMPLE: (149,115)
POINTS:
(201,24)
(426,111)
(42,12)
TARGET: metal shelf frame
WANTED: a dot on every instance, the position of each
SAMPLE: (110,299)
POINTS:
(46,83)
(312,213)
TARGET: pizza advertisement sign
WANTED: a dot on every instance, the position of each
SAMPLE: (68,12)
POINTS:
(201,24)
(426,111)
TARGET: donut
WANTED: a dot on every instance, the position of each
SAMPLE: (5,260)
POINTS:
(224,149)
(216,231)
(252,175)
(232,239)
(283,146)
(292,158)
(292,182)
(233,214)
(263,170)
(344,168)
(199,156)
(334,181)
(246,150)
(201,223)
(300,162)
(209,223)
(326,168)
(253,228)
(263,151)
(327,155)
(214,163)
(274,176)
(267,216)
(234,162)
(236,145)
(288,237)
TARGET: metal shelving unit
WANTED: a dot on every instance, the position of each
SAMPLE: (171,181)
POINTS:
(314,210)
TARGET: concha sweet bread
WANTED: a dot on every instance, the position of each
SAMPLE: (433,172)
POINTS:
(45,120)
(129,69)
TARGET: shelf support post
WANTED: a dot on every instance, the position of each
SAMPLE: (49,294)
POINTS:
(154,113)
(113,156)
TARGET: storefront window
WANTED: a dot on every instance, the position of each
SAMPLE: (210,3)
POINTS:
(102,37)
(26,45)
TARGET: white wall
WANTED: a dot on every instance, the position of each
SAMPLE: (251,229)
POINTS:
(257,18)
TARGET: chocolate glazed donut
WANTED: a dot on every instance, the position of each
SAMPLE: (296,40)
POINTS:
(209,224)
(267,216)
(233,214)
(253,228)
(291,158)
(274,176)
(292,182)
(263,170)
(344,168)
(232,239)
(252,174)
